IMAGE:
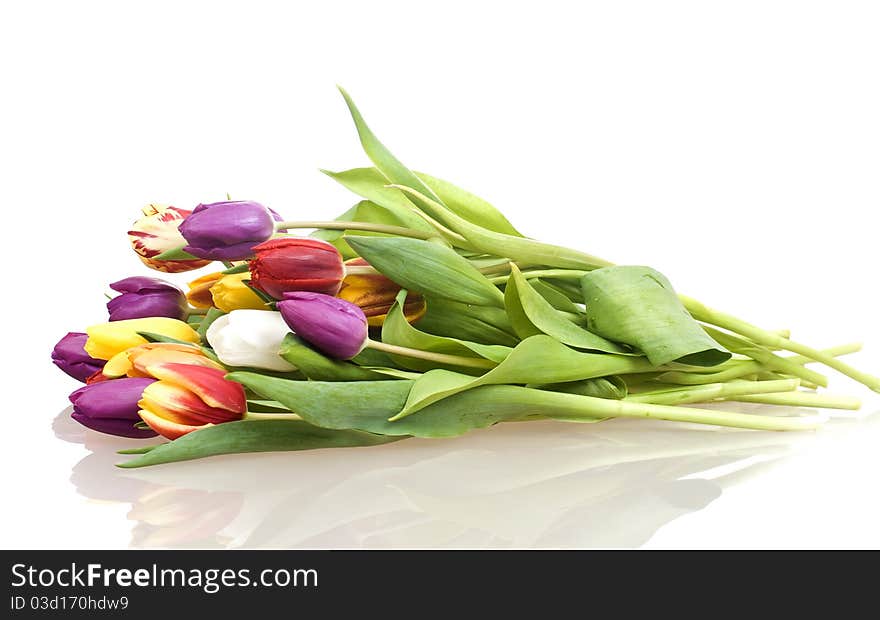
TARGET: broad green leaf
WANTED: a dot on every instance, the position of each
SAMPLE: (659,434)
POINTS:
(428,268)
(391,167)
(396,330)
(337,406)
(255,436)
(483,324)
(519,249)
(538,359)
(319,367)
(472,208)
(638,306)
(534,314)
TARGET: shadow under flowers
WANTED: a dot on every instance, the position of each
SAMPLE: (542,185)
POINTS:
(540,484)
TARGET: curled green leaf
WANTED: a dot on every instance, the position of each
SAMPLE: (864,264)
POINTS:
(638,306)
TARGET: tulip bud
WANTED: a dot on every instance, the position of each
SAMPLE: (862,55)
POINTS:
(187,398)
(158,232)
(108,339)
(225,292)
(70,356)
(227,230)
(290,264)
(111,407)
(375,294)
(146,297)
(137,361)
(199,294)
(250,338)
(333,326)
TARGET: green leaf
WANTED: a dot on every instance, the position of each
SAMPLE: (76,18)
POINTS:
(212,315)
(530,314)
(369,183)
(176,254)
(396,330)
(470,207)
(265,297)
(638,306)
(538,359)
(154,337)
(428,268)
(555,297)
(237,268)
(520,249)
(483,324)
(337,406)
(318,367)
(602,387)
(254,436)
(391,167)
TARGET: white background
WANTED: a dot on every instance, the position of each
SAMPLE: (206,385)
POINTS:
(733,145)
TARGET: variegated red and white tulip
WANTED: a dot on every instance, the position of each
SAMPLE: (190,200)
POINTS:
(187,398)
(156,232)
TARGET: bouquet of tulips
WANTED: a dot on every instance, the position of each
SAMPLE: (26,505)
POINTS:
(419,312)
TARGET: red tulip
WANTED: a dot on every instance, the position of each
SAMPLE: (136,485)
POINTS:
(289,264)
(187,398)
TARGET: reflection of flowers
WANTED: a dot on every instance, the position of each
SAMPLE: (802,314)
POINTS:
(591,487)
(169,517)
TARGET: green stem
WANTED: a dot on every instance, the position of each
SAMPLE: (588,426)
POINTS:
(400,231)
(361,270)
(544,273)
(194,311)
(802,399)
(271,416)
(713,391)
(606,408)
(769,339)
(440,358)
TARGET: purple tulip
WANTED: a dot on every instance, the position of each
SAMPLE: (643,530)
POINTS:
(227,230)
(334,326)
(146,297)
(70,356)
(111,406)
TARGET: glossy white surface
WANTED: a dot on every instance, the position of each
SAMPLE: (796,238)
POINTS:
(732,146)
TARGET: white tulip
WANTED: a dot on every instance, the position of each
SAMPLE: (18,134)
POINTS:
(250,338)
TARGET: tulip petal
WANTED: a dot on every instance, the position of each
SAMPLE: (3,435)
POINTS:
(208,383)
(166,428)
(182,406)
(108,339)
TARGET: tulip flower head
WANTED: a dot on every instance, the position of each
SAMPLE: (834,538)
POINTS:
(111,407)
(289,264)
(156,232)
(227,230)
(70,356)
(375,294)
(138,361)
(250,338)
(226,292)
(146,297)
(187,398)
(334,326)
(107,339)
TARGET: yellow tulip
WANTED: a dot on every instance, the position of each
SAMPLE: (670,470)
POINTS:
(230,293)
(199,294)
(108,339)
